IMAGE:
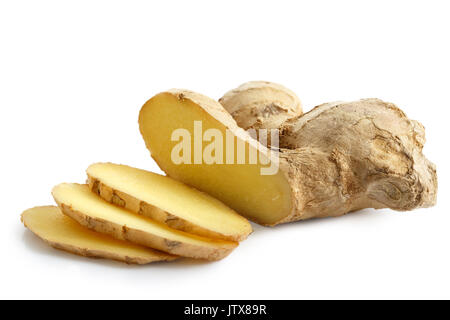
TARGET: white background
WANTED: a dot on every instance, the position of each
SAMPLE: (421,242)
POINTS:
(73,76)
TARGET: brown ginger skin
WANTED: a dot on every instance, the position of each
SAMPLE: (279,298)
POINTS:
(261,105)
(346,156)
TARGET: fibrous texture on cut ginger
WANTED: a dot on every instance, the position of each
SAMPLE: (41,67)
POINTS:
(337,158)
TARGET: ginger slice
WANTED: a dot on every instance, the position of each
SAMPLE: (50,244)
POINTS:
(167,201)
(78,202)
(265,199)
(337,158)
(61,232)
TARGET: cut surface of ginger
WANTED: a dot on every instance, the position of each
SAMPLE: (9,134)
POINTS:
(78,202)
(61,232)
(167,201)
(265,199)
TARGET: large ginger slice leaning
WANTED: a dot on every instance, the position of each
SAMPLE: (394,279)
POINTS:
(79,203)
(61,232)
(266,199)
(337,158)
(167,201)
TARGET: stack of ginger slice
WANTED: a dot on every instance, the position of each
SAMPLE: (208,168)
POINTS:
(137,217)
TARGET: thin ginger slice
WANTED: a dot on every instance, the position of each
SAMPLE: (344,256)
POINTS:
(166,200)
(61,232)
(78,202)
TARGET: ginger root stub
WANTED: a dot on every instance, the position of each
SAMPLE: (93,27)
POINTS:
(337,158)
(261,105)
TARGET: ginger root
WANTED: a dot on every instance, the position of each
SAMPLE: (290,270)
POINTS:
(261,105)
(352,155)
(337,158)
